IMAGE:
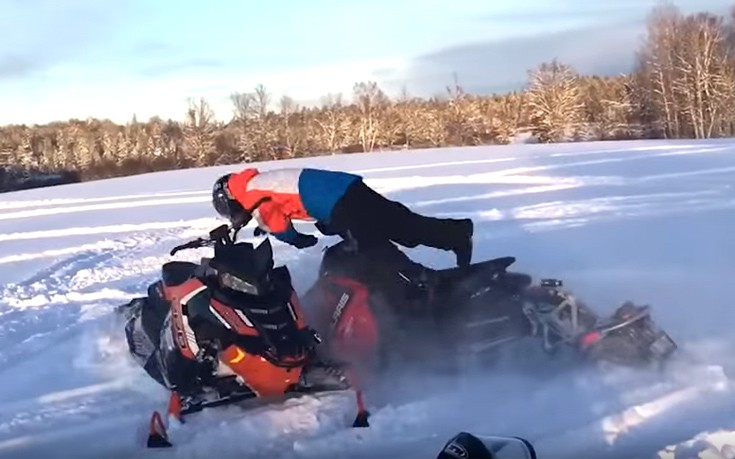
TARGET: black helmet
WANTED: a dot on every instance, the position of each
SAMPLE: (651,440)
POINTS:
(227,206)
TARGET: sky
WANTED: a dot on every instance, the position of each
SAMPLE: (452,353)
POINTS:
(62,59)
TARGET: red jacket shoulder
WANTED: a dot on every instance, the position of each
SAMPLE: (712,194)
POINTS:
(238,186)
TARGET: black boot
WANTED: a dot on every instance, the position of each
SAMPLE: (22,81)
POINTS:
(463,251)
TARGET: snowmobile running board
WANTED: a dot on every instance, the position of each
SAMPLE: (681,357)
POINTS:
(158,431)
(195,408)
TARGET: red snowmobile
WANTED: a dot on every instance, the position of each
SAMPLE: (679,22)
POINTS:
(226,330)
(376,307)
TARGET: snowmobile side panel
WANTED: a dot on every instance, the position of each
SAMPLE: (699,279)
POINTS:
(178,371)
(346,318)
(259,375)
(154,312)
(179,296)
(340,309)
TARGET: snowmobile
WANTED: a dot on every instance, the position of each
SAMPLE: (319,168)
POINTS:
(227,330)
(376,307)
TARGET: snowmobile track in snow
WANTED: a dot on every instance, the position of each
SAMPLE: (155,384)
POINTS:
(36,312)
(110,262)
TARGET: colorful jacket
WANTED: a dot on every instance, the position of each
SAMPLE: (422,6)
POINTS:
(293,194)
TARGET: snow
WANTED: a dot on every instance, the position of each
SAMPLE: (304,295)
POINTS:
(649,221)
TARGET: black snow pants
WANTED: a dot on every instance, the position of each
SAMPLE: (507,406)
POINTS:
(369,218)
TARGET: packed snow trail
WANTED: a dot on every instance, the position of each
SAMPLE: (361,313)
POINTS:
(649,221)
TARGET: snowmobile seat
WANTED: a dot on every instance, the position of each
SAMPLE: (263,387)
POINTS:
(497,264)
(177,272)
(494,266)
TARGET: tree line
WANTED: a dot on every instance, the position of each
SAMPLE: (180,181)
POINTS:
(682,86)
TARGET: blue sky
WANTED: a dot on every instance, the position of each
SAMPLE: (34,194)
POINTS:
(112,59)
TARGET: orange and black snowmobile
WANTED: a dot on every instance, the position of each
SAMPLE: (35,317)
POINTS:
(226,330)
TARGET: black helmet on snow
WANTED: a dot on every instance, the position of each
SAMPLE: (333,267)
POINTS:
(226,205)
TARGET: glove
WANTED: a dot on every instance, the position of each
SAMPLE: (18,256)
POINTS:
(325,229)
(304,241)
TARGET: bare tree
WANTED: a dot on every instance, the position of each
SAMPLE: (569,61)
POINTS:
(199,130)
(332,122)
(371,103)
(462,120)
(289,130)
(251,105)
(262,100)
(656,64)
(703,73)
(408,120)
(506,116)
(555,101)
(608,107)
(243,103)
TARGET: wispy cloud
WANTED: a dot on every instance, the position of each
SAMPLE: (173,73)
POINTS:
(79,58)
(13,66)
(38,34)
(594,37)
(499,66)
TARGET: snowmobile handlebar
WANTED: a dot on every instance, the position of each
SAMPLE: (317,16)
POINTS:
(221,235)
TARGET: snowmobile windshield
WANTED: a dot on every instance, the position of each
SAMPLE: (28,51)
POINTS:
(472,446)
(245,269)
(508,447)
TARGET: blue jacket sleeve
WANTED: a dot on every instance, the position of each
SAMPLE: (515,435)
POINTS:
(290,236)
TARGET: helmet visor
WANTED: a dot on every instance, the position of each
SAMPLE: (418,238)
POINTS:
(230,209)
(508,447)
